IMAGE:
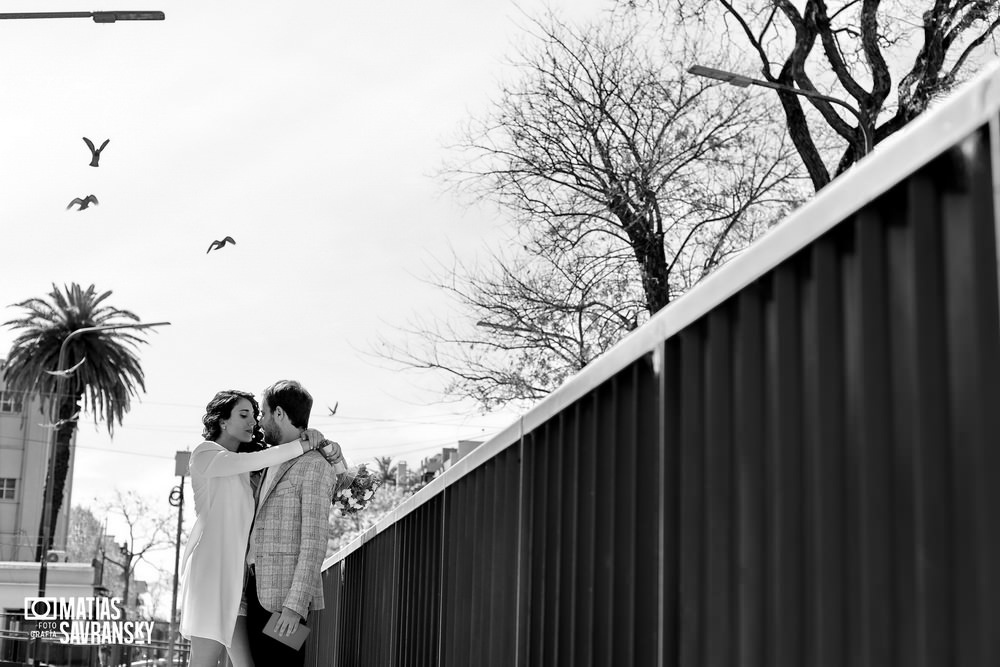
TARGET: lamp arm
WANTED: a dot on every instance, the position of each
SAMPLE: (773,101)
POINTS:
(865,130)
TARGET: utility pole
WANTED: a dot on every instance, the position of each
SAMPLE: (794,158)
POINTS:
(104,553)
(176,499)
(127,556)
(126,566)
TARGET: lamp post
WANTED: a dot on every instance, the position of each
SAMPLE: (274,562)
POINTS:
(741,81)
(127,555)
(125,549)
(99,17)
(49,490)
(176,499)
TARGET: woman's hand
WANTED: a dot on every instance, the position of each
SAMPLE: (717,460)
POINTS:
(331,450)
(334,456)
(311,439)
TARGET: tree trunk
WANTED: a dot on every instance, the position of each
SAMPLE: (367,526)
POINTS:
(64,435)
(655,281)
(647,246)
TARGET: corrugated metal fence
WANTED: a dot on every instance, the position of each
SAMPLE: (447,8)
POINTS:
(798,463)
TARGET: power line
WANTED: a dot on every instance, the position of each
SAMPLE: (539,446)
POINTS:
(406,447)
(368,425)
(161,428)
(458,419)
(316,417)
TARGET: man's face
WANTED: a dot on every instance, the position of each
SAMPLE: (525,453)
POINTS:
(272,434)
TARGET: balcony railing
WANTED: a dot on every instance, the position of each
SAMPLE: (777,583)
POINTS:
(19,648)
(796,463)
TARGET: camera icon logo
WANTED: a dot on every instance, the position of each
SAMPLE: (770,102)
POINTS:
(40,609)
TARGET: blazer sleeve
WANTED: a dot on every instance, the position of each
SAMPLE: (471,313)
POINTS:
(316,500)
(217,461)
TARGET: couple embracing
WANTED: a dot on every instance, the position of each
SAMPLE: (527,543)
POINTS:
(263,486)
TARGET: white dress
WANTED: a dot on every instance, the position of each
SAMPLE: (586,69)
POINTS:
(213,563)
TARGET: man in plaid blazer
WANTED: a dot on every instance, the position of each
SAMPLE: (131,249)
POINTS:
(289,536)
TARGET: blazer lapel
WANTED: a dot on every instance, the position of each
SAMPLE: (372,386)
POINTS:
(278,474)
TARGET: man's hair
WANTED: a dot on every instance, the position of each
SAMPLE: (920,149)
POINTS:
(291,397)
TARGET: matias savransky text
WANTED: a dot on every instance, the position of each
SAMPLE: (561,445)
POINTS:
(85,620)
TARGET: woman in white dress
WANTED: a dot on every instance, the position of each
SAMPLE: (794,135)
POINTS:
(214,560)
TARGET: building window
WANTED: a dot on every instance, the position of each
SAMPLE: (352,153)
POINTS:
(10,401)
(8,485)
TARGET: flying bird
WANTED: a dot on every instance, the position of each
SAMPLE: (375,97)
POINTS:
(333,410)
(95,152)
(84,203)
(69,371)
(216,245)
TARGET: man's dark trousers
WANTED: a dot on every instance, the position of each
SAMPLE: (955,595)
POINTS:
(267,651)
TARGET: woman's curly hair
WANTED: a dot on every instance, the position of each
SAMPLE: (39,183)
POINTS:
(221,407)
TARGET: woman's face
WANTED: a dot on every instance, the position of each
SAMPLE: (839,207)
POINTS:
(240,423)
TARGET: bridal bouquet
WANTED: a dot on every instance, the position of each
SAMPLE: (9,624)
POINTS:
(355,486)
(358,493)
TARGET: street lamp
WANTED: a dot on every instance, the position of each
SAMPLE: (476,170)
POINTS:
(99,17)
(503,327)
(741,81)
(176,499)
(49,491)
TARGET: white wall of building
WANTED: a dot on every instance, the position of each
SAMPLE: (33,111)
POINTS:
(24,446)
(19,580)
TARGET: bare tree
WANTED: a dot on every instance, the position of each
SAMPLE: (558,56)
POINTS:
(888,58)
(530,319)
(159,592)
(89,542)
(603,134)
(148,529)
(627,181)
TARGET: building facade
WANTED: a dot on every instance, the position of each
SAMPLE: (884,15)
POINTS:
(24,443)
(433,466)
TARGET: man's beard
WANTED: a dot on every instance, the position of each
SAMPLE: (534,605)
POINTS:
(272,436)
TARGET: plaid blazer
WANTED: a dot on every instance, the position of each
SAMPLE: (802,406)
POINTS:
(291,531)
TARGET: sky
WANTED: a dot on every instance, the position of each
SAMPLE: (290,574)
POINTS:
(313,136)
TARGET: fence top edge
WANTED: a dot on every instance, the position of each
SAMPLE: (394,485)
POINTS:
(897,157)
(894,159)
(508,437)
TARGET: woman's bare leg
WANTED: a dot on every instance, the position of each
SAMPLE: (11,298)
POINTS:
(239,652)
(205,652)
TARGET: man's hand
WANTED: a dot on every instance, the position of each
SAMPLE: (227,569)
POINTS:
(287,623)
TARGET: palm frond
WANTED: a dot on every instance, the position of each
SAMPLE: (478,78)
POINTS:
(111,373)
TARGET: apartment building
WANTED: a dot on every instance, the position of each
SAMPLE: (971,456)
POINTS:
(23,460)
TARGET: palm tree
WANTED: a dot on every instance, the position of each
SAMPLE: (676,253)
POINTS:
(386,469)
(104,383)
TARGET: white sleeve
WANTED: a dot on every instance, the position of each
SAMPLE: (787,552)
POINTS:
(212,462)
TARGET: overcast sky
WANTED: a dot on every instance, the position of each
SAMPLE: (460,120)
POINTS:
(311,136)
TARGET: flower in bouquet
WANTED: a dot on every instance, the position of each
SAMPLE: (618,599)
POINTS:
(355,495)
